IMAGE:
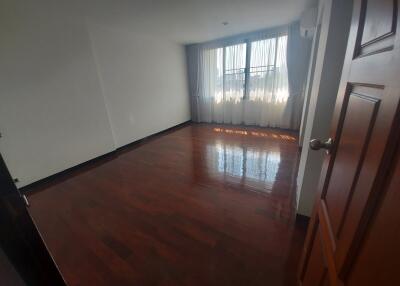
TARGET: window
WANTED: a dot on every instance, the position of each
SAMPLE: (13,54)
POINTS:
(254,70)
(234,72)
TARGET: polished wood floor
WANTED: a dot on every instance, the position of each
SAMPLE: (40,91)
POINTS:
(201,205)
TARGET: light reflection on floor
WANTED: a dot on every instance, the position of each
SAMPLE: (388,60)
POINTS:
(267,134)
(246,163)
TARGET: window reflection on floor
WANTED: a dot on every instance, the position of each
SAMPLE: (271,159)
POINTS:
(249,164)
(266,134)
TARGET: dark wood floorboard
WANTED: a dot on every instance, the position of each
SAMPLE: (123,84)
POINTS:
(201,205)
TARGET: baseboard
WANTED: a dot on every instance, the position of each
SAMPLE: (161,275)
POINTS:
(100,159)
(152,136)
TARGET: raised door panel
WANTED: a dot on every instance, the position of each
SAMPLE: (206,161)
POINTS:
(371,76)
(380,251)
(357,126)
(316,272)
(367,113)
(378,23)
(379,20)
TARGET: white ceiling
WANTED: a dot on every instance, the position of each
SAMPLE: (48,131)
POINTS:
(190,21)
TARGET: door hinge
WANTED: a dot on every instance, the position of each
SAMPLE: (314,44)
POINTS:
(26,201)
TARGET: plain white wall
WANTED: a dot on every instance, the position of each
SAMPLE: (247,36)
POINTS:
(52,114)
(143,79)
(332,45)
(53,89)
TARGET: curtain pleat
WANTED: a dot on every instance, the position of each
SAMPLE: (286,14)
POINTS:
(217,82)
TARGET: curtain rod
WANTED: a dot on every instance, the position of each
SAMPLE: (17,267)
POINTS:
(243,37)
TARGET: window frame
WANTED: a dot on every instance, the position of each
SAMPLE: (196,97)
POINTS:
(247,70)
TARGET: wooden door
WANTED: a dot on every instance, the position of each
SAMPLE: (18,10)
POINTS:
(20,239)
(353,184)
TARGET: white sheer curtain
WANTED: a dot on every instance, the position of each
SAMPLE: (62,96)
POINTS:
(210,91)
(223,76)
(234,84)
(223,96)
(268,84)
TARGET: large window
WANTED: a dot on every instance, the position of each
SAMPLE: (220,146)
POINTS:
(242,83)
(254,70)
(234,72)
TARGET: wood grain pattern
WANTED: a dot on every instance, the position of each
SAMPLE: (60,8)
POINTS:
(365,131)
(354,141)
(203,205)
(380,251)
(380,20)
(316,262)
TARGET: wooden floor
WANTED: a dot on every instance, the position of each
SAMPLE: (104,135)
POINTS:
(201,205)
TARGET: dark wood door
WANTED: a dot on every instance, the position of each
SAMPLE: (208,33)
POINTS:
(20,239)
(342,244)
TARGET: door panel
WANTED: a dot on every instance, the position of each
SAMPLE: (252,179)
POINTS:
(364,129)
(316,269)
(358,123)
(380,250)
(380,20)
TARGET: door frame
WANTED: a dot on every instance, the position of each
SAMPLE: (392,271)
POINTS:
(20,238)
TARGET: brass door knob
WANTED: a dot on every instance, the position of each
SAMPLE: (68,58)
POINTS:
(316,144)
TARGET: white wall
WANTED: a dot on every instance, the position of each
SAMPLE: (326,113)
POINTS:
(144,82)
(52,89)
(52,114)
(328,67)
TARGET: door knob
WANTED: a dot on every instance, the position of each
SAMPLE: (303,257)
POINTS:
(316,144)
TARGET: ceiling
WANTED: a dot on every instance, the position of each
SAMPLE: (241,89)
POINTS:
(191,21)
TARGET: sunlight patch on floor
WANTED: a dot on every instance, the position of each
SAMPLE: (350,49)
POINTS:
(266,134)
